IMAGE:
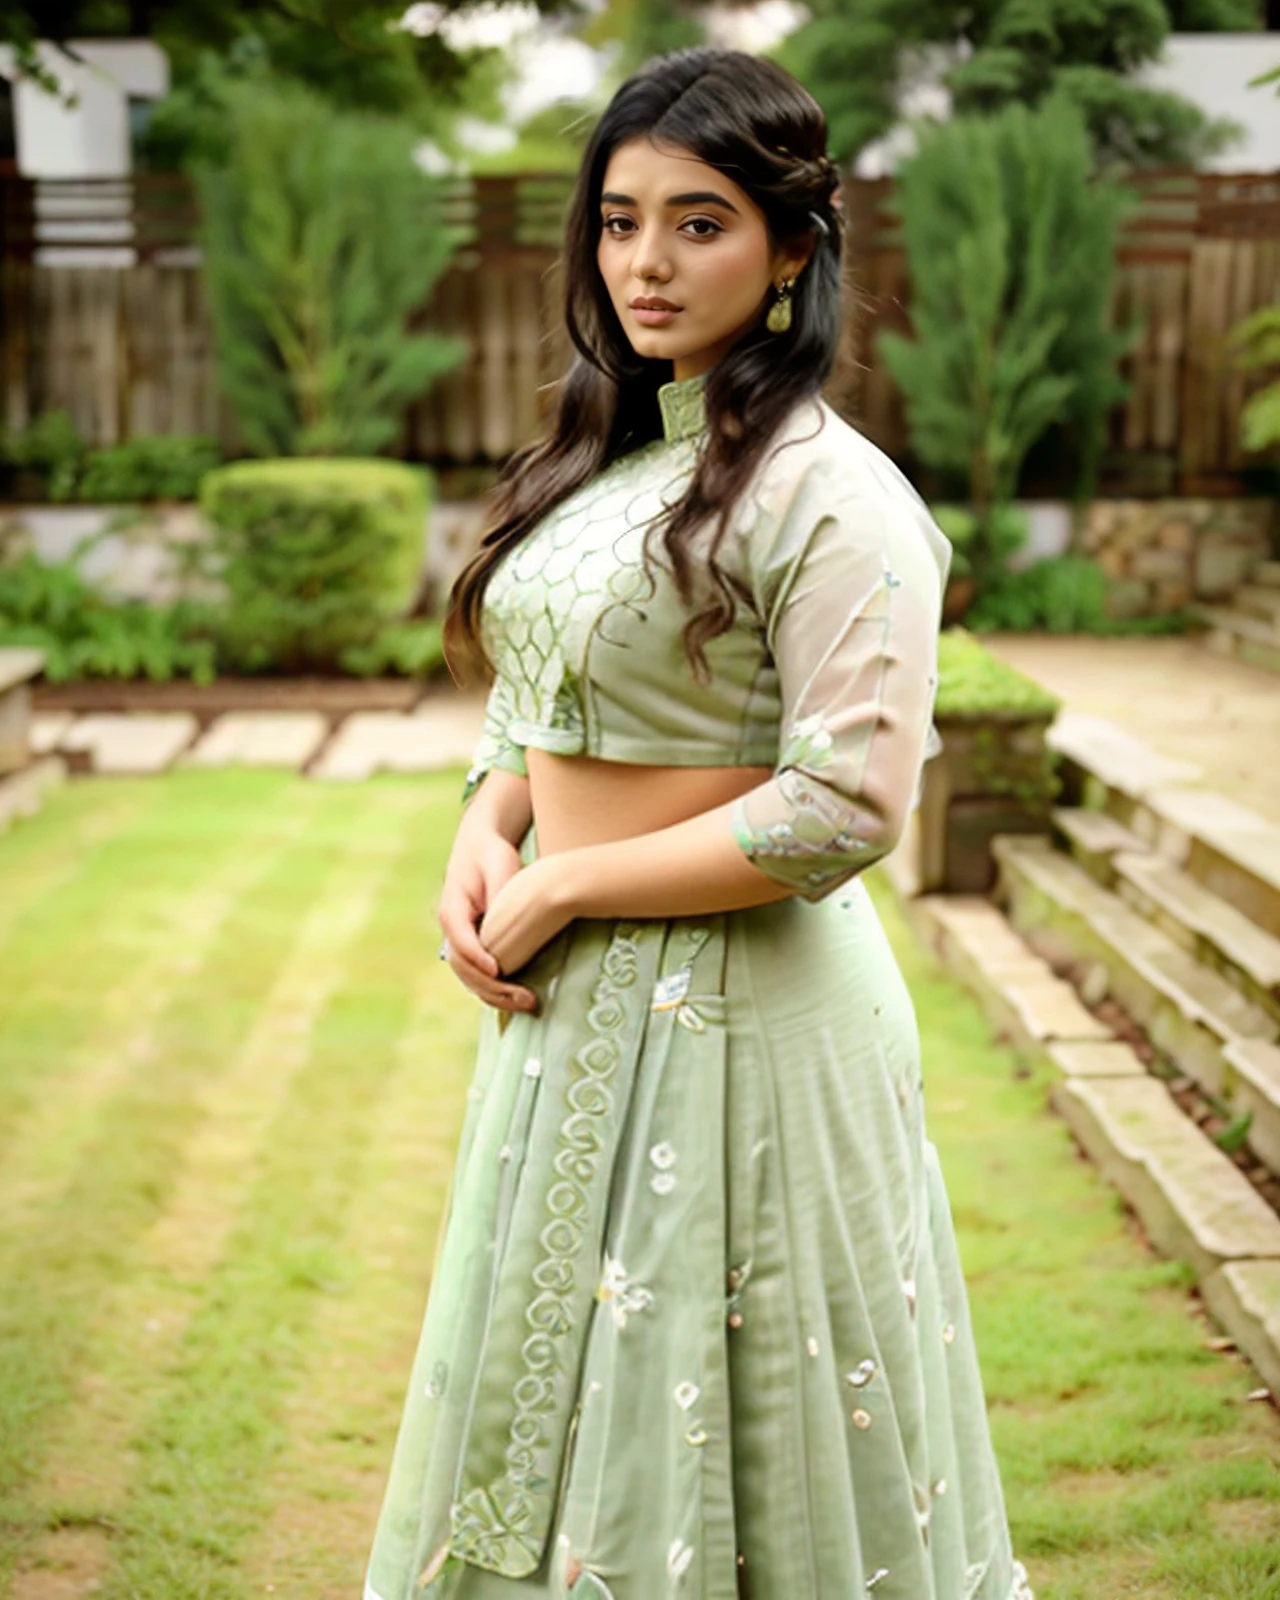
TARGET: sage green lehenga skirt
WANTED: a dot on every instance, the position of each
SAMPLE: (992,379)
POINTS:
(698,1327)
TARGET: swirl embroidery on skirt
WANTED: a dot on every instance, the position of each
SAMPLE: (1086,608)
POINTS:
(506,1536)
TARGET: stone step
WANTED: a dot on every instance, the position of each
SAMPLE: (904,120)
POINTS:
(1252,1069)
(1258,600)
(1203,924)
(22,793)
(1244,1297)
(1267,573)
(1094,839)
(1242,637)
(1191,1198)
(1021,997)
(1189,1011)
(1233,851)
(1106,769)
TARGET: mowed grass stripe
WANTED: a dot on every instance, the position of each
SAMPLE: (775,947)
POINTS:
(1133,1461)
(38,858)
(73,954)
(87,1457)
(341,1419)
(47,1143)
(57,1271)
(209,1444)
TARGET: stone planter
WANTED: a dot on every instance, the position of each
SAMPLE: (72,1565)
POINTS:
(995,775)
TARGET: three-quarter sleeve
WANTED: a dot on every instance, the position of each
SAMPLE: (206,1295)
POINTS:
(848,585)
(496,749)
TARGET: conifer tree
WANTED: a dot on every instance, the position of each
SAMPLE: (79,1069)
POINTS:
(1010,243)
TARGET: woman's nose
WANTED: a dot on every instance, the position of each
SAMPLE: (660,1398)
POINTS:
(649,257)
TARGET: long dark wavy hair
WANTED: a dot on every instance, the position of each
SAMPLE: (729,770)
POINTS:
(753,121)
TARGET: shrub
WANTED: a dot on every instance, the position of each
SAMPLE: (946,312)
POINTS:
(402,649)
(84,635)
(321,238)
(317,557)
(972,682)
(1062,594)
(51,448)
(156,467)
(1256,342)
(1010,246)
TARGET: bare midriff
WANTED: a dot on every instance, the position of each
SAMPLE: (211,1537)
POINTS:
(579,800)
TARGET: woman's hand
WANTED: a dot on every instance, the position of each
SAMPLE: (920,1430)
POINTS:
(525,915)
(482,863)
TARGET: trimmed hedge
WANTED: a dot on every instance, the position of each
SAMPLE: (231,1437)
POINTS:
(318,556)
(973,683)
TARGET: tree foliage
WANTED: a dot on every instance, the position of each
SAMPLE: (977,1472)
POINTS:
(860,56)
(321,238)
(1010,246)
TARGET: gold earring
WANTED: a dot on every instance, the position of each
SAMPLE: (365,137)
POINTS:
(779,318)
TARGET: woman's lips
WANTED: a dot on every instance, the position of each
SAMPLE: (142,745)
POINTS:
(653,316)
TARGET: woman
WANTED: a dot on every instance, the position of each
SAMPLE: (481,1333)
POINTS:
(697,1327)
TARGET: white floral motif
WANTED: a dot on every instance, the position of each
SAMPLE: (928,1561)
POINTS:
(679,1557)
(622,1293)
(663,1157)
(685,1394)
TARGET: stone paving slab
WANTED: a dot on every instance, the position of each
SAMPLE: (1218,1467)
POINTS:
(443,734)
(48,729)
(131,743)
(1244,1296)
(260,739)
(22,793)
(1193,1201)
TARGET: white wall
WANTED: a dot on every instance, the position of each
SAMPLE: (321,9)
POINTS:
(91,138)
(1213,70)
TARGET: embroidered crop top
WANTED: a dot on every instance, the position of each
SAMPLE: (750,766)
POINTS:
(827,675)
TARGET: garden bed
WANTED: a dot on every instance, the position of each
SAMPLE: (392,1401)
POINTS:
(995,774)
(333,696)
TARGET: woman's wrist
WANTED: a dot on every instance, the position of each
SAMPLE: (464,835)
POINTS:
(501,805)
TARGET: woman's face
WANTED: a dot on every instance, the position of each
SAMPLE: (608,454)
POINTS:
(677,230)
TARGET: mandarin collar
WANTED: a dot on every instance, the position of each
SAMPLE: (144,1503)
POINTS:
(683,406)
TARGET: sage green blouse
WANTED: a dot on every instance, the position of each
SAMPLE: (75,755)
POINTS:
(828,674)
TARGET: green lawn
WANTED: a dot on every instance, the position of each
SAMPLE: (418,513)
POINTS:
(231,1074)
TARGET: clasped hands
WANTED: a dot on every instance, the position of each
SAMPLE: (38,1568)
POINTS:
(497,914)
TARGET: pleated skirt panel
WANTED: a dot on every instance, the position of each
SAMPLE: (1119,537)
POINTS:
(698,1327)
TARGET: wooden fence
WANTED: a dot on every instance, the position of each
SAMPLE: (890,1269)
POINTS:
(127,349)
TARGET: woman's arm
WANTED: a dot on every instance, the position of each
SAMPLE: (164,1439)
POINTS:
(691,869)
(849,590)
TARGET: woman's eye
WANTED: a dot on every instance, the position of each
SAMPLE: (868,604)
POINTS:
(620,226)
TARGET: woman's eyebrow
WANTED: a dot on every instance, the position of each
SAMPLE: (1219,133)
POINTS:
(699,198)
